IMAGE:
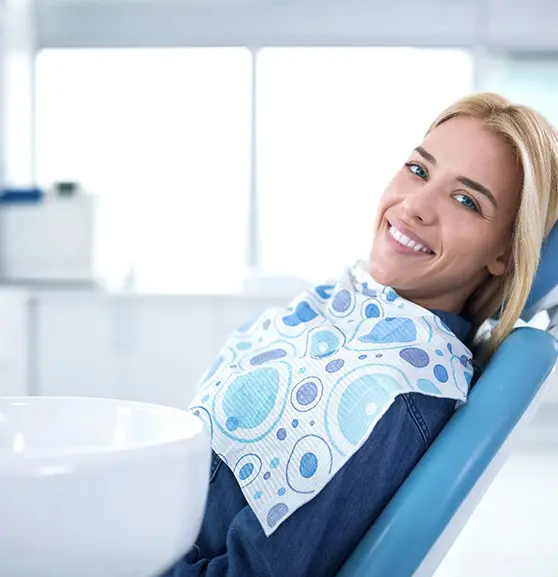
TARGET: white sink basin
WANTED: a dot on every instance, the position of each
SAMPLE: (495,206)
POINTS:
(98,488)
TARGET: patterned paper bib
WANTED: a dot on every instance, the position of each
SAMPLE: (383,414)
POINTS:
(295,393)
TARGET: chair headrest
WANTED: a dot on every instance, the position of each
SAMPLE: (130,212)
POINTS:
(544,293)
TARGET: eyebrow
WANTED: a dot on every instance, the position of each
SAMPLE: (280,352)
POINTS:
(426,155)
(462,179)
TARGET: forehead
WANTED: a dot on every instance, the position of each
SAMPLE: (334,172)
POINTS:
(465,147)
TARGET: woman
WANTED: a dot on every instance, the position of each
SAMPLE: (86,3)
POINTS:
(458,233)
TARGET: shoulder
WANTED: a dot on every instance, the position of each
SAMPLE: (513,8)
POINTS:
(429,414)
(414,420)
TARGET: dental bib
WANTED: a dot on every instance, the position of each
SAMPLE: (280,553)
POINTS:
(295,393)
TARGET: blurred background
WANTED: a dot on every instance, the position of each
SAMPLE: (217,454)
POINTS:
(170,168)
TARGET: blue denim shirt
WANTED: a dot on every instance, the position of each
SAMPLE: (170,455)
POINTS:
(319,537)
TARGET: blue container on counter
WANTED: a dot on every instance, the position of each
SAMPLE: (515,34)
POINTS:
(20,195)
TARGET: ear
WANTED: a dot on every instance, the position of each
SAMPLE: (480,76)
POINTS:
(499,265)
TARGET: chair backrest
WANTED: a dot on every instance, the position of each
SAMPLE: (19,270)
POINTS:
(420,524)
(544,294)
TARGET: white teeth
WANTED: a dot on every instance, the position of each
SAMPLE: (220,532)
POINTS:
(406,241)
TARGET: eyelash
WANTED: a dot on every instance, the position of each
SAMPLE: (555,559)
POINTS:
(474,208)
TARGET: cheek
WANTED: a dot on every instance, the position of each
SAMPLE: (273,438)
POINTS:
(394,186)
(469,242)
(390,196)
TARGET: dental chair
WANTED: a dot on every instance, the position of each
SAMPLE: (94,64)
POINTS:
(420,524)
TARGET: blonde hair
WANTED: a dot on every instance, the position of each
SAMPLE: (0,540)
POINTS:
(535,144)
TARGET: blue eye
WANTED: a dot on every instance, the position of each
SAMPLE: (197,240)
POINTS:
(467,202)
(417,169)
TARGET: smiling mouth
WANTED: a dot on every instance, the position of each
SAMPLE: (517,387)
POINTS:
(407,243)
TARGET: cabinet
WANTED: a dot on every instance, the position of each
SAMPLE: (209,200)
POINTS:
(15,343)
(139,347)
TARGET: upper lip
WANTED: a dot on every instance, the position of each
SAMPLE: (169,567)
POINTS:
(409,233)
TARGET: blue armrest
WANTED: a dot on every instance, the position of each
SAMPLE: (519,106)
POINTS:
(425,504)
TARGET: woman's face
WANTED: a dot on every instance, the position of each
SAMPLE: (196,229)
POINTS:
(445,220)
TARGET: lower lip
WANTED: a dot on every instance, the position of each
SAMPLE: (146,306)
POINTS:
(403,249)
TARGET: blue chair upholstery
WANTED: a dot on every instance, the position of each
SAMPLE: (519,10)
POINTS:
(546,280)
(419,525)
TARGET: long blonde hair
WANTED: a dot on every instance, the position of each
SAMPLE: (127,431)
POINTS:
(535,143)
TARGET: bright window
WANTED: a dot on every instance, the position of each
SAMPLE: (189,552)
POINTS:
(528,79)
(333,125)
(163,137)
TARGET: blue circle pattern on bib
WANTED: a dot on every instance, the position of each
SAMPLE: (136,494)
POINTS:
(338,364)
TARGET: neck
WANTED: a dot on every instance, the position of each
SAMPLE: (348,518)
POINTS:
(447,302)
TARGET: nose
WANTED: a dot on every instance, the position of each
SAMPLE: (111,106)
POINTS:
(421,205)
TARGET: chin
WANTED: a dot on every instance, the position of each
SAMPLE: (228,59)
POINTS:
(383,275)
